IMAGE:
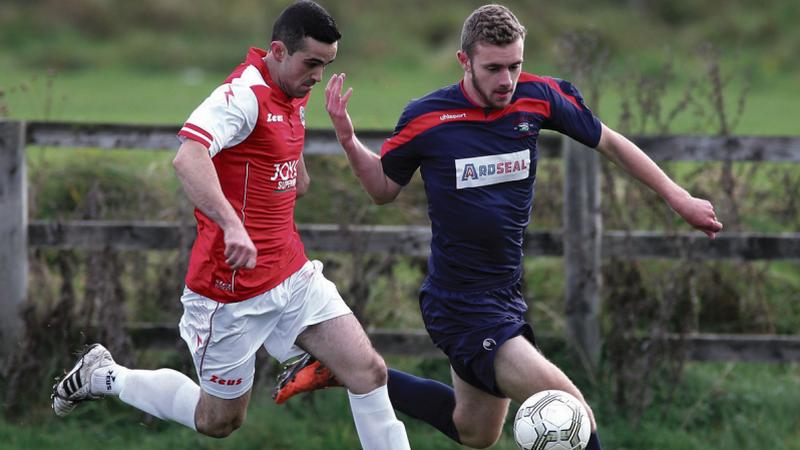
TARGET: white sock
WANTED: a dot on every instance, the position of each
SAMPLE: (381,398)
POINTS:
(164,393)
(376,424)
(108,380)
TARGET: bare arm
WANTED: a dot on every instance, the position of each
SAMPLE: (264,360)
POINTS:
(199,179)
(697,212)
(365,164)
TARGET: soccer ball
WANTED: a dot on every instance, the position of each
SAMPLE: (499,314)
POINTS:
(552,420)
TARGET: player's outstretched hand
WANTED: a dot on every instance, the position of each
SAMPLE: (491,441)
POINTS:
(239,248)
(700,214)
(336,105)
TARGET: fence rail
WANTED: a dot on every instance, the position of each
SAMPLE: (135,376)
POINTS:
(415,240)
(583,242)
(323,142)
(699,346)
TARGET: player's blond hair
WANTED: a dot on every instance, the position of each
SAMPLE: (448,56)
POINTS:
(490,24)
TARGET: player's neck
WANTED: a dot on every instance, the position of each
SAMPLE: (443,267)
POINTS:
(274,73)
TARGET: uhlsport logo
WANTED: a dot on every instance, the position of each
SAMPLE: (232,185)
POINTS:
(492,169)
(444,117)
(489,344)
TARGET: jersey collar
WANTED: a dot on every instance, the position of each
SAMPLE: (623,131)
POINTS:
(255,58)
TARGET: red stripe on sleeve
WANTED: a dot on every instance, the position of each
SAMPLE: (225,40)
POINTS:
(528,77)
(425,122)
(197,134)
(432,119)
(199,130)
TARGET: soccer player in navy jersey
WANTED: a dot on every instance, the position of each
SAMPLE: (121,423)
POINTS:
(474,143)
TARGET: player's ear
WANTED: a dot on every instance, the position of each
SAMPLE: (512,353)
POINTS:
(278,50)
(463,59)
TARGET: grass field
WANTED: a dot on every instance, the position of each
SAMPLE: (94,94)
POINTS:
(126,96)
(718,406)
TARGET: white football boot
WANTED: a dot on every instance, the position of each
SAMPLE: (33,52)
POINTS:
(75,387)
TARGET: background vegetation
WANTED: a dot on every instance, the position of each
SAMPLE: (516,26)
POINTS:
(646,66)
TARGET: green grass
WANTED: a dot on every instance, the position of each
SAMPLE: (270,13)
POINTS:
(717,406)
(117,95)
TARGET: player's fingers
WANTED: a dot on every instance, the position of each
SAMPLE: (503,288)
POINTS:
(240,254)
(333,89)
(333,93)
(330,81)
(233,263)
(232,256)
(230,250)
(333,82)
(328,95)
(339,84)
(346,96)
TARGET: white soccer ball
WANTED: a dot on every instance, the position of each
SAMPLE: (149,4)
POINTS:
(552,420)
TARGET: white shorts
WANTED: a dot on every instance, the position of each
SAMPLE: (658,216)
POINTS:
(224,337)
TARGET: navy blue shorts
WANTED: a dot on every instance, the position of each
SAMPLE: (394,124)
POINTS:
(470,326)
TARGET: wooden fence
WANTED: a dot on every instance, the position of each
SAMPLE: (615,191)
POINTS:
(582,242)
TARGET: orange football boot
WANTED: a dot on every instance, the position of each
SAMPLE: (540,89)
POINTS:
(304,375)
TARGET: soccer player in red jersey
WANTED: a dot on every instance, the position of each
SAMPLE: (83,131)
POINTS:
(249,282)
(474,143)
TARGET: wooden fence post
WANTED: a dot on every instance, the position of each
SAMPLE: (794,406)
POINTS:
(582,243)
(13,235)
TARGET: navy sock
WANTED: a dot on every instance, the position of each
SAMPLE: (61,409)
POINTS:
(424,399)
(594,442)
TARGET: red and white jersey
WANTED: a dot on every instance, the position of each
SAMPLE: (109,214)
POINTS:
(255,136)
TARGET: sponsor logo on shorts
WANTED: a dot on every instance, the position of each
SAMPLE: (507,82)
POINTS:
(224,382)
(489,344)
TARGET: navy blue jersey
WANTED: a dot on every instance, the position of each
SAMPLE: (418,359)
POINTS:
(479,166)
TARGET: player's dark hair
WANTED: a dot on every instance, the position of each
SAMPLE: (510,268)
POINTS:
(490,24)
(301,19)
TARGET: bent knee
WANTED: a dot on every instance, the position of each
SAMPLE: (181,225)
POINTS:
(371,375)
(374,373)
(219,427)
(477,434)
(480,439)
(377,371)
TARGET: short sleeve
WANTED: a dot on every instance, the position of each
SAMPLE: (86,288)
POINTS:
(400,155)
(224,119)
(570,115)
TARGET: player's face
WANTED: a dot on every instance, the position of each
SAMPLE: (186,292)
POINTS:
(301,70)
(492,72)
